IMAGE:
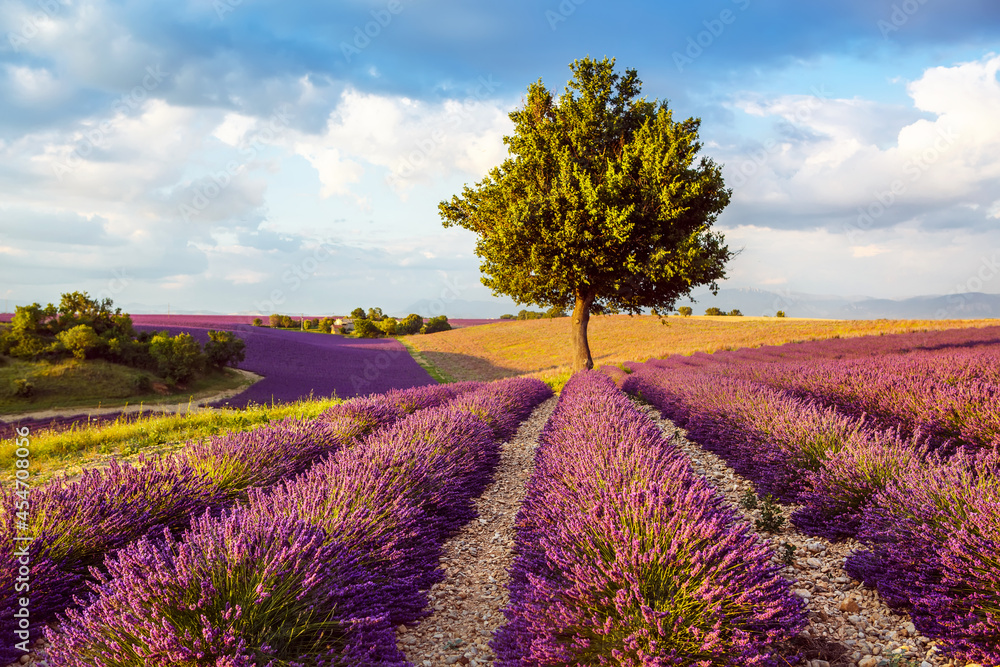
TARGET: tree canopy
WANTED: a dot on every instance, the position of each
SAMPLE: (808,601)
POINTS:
(602,206)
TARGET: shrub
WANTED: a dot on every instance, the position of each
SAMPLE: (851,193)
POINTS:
(530,315)
(257,322)
(376,314)
(80,340)
(507,316)
(141,384)
(389,326)
(282,321)
(735,312)
(780,313)
(436,324)
(713,311)
(178,358)
(771,519)
(23,388)
(366,329)
(224,349)
(685,311)
(554,312)
(359,314)
(410,325)
(325,325)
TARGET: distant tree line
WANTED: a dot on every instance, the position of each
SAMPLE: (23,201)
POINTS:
(553,312)
(85,328)
(374,324)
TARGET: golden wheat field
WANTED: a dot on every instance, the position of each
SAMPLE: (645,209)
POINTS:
(541,348)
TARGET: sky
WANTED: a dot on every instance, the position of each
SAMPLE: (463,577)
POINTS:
(256,156)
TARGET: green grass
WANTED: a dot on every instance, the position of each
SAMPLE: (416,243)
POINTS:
(440,376)
(53,453)
(74,384)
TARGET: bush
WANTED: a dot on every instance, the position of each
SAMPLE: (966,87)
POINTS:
(366,329)
(685,311)
(141,384)
(23,388)
(376,314)
(530,315)
(409,325)
(80,340)
(257,322)
(554,312)
(224,349)
(359,314)
(713,311)
(507,316)
(326,325)
(282,321)
(735,312)
(436,324)
(178,358)
(388,326)
(780,313)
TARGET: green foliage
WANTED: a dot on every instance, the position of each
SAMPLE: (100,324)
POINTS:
(735,312)
(555,311)
(436,324)
(282,322)
(224,349)
(258,322)
(529,315)
(788,553)
(359,314)
(410,325)
(22,388)
(326,325)
(376,314)
(507,316)
(780,313)
(748,500)
(603,205)
(771,519)
(713,311)
(388,326)
(178,358)
(685,311)
(80,340)
(365,328)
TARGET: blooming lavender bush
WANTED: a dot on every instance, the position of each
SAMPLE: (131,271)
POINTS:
(247,589)
(933,539)
(237,461)
(625,557)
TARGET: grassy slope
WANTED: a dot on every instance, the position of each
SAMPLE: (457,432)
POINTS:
(69,451)
(542,347)
(73,383)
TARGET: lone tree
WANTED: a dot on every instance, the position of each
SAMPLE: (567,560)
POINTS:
(601,206)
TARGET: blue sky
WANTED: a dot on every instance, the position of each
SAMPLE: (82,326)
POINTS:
(255,156)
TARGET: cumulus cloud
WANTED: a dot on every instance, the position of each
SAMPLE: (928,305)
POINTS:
(413,141)
(856,165)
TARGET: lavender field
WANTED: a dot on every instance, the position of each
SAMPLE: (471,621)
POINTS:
(891,441)
(297,364)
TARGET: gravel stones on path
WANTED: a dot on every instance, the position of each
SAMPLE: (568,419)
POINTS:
(849,625)
(468,603)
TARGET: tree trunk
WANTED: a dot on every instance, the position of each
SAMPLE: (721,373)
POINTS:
(581,317)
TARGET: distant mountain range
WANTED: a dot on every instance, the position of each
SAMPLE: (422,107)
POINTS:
(751,301)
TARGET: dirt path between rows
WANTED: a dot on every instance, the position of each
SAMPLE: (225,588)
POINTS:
(192,403)
(468,603)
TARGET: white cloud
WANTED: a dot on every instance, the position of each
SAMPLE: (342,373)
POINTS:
(417,142)
(834,156)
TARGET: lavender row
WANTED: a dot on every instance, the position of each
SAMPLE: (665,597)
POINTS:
(75,524)
(316,571)
(931,524)
(790,448)
(945,391)
(625,557)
